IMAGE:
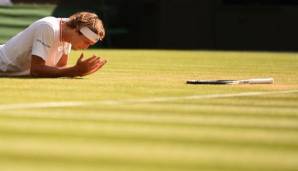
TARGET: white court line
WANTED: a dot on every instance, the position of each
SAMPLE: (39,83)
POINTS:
(194,97)
(134,101)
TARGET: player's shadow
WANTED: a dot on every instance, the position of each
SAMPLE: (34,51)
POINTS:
(34,78)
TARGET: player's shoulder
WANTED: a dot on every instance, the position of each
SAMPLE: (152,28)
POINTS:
(50,23)
(48,20)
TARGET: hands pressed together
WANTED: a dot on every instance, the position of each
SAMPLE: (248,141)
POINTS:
(88,66)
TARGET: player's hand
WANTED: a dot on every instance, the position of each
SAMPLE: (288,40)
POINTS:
(89,65)
(102,62)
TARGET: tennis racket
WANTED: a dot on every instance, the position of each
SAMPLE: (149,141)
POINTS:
(247,81)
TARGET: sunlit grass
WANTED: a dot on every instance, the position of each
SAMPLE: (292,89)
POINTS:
(235,133)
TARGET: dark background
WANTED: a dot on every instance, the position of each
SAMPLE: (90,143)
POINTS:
(193,24)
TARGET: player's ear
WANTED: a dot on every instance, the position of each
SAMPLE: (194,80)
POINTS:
(73,31)
(77,31)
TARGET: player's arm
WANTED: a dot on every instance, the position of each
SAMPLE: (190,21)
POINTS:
(63,61)
(40,69)
(82,68)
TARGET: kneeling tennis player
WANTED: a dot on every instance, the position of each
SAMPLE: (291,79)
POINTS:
(42,49)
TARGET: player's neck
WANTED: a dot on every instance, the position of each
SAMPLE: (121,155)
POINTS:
(66,33)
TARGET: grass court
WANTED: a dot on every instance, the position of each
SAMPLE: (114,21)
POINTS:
(137,113)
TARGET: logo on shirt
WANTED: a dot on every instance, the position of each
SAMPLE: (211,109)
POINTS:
(43,43)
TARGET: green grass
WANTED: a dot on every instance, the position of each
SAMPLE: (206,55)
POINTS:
(231,134)
(16,18)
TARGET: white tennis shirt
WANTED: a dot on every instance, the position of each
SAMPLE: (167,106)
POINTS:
(41,38)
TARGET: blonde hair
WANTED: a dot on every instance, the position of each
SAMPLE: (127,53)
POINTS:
(87,19)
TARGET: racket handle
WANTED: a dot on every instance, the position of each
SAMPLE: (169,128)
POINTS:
(260,81)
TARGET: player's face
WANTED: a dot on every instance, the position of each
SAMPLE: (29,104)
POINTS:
(79,41)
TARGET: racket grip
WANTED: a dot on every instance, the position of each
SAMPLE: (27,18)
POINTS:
(261,81)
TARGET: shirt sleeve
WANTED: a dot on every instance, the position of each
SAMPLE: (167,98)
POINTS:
(43,41)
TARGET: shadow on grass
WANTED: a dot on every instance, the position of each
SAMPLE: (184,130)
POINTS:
(34,78)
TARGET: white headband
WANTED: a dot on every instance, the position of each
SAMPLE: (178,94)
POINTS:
(89,34)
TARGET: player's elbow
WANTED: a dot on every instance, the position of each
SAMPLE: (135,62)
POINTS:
(36,71)
(37,66)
